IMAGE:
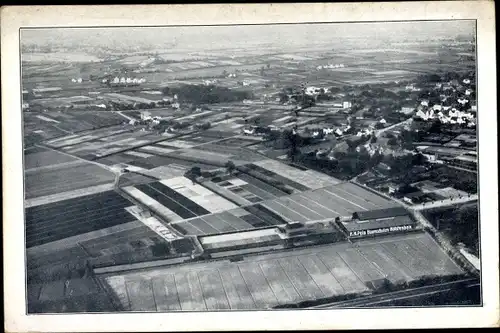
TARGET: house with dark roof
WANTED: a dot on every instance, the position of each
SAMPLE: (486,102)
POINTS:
(380,213)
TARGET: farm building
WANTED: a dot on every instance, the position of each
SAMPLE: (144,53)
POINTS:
(379,213)
(374,226)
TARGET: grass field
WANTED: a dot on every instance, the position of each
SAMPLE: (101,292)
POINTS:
(37,159)
(282,277)
(65,178)
(73,139)
(307,178)
(68,218)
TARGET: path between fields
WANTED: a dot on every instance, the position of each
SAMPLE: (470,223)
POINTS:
(125,116)
(51,167)
(378,132)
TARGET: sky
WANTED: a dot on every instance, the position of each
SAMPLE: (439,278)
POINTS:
(216,37)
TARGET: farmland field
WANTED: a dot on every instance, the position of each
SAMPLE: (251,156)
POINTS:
(37,159)
(285,277)
(65,178)
(246,218)
(307,178)
(51,222)
(58,57)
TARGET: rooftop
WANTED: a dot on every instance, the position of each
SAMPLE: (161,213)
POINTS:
(379,223)
(380,213)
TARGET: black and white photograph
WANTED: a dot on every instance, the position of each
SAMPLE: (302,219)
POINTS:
(251,167)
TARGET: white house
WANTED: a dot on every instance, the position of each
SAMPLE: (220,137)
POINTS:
(466,81)
(437,107)
(249,131)
(346,105)
(424,103)
(145,115)
(328,131)
(407,109)
(468,92)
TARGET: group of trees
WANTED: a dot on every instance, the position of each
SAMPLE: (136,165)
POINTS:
(344,165)
(459,224)
(297,95)
(203,127)
(176,125)
(114,106)
(286,139)
(206,94)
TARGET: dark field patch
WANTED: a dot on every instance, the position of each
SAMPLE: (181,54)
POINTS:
(264,214)
(261,185)
(55,221)
(255,221)
(186,202)
(278,177)
(166,201)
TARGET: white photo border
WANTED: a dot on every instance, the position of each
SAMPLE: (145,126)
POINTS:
(14,18)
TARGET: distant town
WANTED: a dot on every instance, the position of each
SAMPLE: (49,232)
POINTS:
(236,179)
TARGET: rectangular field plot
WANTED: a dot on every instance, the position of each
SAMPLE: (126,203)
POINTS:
(338,200)
(157,161)
(63,179)
(45,158)
(214,224)
(287,277)
(51,222)
(212,289)
(308,178)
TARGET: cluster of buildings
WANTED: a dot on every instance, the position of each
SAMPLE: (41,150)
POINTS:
(458,157)
(454,106)
(452,116)
(314,91)
(124,81)
(330,66)
(377,222)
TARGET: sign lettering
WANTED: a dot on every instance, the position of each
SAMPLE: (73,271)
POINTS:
(359,233)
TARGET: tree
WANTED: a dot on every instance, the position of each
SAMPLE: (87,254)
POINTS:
(165,90)
(193,173)
(392,142)
(373,139)
(160,249)
(230,166)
